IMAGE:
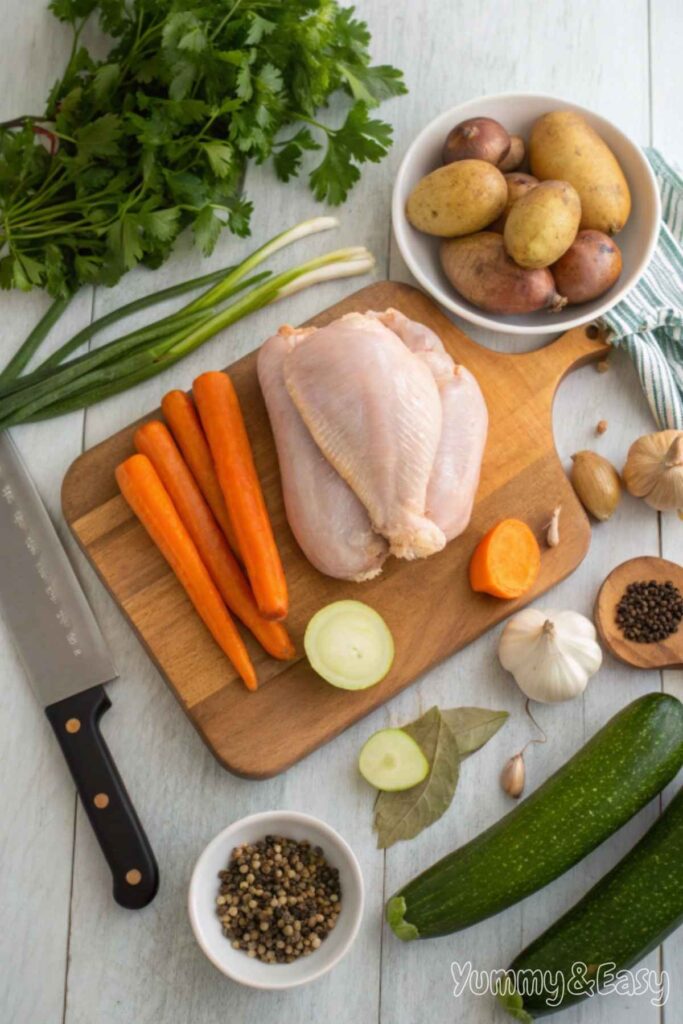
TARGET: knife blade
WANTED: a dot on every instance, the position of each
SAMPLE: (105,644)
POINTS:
(67,663)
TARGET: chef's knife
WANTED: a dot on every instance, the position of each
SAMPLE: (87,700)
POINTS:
(67,662)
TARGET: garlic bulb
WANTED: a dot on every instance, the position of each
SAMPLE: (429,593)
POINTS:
(654,469)
(552,655)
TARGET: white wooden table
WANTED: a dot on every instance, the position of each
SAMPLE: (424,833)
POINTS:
(67,952)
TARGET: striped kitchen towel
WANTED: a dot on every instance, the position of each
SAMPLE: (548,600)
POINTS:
(648,323)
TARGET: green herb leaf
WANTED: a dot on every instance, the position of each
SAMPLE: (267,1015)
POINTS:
(373,84)
(288,159)
(161,224)
(99,138)
(206,228)
(405,814)
(220,156)
(258,28)
(473,727)
(105,79)
(359,139)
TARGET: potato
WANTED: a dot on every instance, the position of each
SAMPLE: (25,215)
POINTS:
(518,184)
(563,145)
(478,138)
(542,224)
(457,199)
(589,267)
(480,269)
(515,156)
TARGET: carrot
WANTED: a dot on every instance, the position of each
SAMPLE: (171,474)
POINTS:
(506,561)
(221,417)
(154,440)
(149,500)
(182,418)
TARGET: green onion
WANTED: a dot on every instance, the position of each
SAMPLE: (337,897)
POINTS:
(28,348)
(80,382)
(135,306)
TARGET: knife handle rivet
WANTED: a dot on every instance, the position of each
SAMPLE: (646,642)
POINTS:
(101,800)
(133,877)
(72,725)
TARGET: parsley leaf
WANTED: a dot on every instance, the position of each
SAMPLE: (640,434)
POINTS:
(288,160)
(359,139)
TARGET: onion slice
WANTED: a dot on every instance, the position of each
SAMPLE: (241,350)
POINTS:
(349,644)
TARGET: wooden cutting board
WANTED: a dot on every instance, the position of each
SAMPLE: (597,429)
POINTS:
(428,605)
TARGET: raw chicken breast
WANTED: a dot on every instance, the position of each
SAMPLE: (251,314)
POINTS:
(330,524)
(455,474)
(374,410)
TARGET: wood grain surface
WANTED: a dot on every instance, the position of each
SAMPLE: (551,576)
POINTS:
(663,654)
(428,604)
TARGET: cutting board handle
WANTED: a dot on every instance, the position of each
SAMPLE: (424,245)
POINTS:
(585,344)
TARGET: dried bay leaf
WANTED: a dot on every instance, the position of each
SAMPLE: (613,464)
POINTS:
(444,737)
(473,727)
(403,815)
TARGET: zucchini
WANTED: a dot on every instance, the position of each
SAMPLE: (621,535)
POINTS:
(629,912)
(615,774)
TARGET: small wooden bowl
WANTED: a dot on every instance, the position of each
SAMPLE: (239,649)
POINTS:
(663,654)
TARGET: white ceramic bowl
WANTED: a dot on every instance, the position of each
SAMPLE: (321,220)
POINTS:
(517,112)
(204,889)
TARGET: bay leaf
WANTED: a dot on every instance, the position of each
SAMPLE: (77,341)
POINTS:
(473,727)
(403,815)
(444,738)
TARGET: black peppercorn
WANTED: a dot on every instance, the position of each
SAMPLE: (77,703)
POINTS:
(262,908)
(649,611)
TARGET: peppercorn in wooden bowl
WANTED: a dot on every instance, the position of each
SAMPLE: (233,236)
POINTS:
(276,899)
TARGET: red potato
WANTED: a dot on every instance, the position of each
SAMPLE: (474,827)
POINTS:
(477,138)
(515,155)
(480,269)
(518,185)
(589,267)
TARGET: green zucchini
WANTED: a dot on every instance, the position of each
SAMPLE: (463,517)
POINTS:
(615,774)
(629,912)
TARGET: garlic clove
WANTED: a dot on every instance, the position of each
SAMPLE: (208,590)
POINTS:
(596,482)
(513,776)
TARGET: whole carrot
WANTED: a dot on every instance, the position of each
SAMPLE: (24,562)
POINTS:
(181,416)
(149,500)
(221,417)
(154,440)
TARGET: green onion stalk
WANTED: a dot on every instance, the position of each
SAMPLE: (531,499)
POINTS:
(58,387)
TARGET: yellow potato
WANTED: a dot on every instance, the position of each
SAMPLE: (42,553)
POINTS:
(458,199)
(563,145)
(542,224)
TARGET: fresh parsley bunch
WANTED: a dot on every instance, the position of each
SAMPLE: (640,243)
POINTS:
(133,148)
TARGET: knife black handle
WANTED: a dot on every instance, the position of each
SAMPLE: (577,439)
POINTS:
(100,787)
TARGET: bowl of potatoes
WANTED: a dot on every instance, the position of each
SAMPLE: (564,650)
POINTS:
(524,213)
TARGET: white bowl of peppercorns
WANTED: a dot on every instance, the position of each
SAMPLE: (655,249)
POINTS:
(276,899)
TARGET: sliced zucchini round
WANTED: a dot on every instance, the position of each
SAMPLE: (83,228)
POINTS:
(349,644)
(391,760)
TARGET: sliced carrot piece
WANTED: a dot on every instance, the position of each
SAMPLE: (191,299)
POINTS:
(149,500)
(181,416)
(221,416)
(506,561)
(154,440)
